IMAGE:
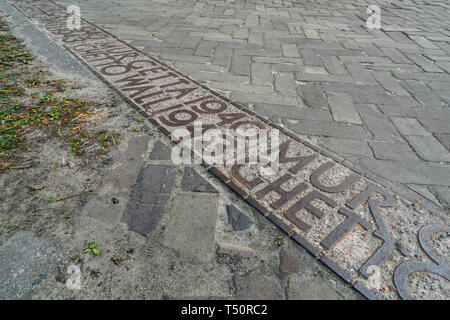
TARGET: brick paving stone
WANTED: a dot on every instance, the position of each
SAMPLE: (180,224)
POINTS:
(392,151)
(410,126)
(310,58)
(389,83)
(313,96)
(444,139)
(240,65)
(328,129)
(429,148)
(435,125)
(285,83)
(333,65)
(360,74)
(380,125)
(422,93)
(290,50)
(443,195)
(426,64)
(261,74)
(342,108)
(410,172)
(347,146)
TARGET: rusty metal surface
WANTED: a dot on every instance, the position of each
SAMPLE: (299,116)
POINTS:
(346,220)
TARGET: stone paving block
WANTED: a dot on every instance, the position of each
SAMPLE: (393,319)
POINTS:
(240,65)
(360,74)
(333,65)
(291,112)
(392,151)
(422,93)
(237,219)
(433,113)
(276,99)
(192,226)
(435,125)
(409,127)
(395,55)
(313,96)
(423,42)
(389,83)
(261,74)
(410,172)
(328,129)
(26,260)
(333,78)
(444,139)
(342,108)
(290,50)
(233,86)
(222,57)
(285,83)
(429,148)
(194,182)
(257,287)
(205,48)
(380,125)
(397,111)
(425,63)
(444,65)
(310,58)
(443,195)
(347,146)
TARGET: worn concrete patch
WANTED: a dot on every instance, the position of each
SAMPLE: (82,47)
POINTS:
(117,182)
(192,225)
(25,260)
(257,287)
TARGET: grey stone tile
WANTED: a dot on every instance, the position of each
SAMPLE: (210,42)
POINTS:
(409,127)
(342,108)
(392,151)
(410,172)
(429,148)
(347,146)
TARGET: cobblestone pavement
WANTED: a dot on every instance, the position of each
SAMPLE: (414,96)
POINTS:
(379,98)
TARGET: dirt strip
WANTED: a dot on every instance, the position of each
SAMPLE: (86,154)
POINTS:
(385,245)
